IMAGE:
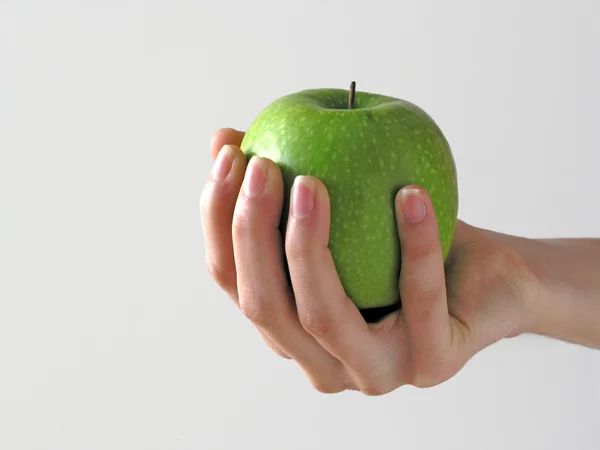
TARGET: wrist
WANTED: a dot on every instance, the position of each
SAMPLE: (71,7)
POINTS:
(521,275)
(540,311)
(563,288)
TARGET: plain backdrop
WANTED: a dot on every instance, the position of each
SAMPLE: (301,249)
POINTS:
(112,334)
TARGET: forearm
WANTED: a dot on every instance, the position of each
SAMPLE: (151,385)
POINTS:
(567,300)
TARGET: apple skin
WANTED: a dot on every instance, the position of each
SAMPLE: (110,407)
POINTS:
(364,156)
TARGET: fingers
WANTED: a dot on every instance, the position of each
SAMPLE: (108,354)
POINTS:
(324,309)
(264,294)
(422,282)
(217,205)
(225,136)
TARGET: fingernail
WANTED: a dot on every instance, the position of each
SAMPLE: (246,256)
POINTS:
(223,163)
(303,198)
(256,176)
(413,205)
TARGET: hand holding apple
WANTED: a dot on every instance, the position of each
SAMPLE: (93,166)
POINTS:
(446,316)
(364,147)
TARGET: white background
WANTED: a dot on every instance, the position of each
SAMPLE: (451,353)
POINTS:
(112,335)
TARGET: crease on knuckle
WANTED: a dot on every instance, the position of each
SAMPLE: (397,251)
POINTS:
(429,372)
(259,310)
(222,277)
(214,195)
(296,248)
(423,296)
(328,387)
(316,322)
(384,378)
(242,223)
(423,250)
(374,390)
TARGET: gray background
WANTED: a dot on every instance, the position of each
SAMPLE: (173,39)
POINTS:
(112,335)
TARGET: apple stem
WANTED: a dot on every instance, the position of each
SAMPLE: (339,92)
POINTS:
(352,95)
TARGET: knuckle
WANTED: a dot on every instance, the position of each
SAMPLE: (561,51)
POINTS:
(424,380)
(423,249)
(429,372)
(296,247)
(423,293)
(383,380)
(253,216)
(258,310)
(224,278)
(420,285)
(327,387)
(316,323)
(375,390)
(242,221)
(214,194)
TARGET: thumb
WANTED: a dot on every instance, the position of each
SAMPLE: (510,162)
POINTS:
(422,281)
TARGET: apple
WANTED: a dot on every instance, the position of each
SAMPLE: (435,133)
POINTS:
(364,147)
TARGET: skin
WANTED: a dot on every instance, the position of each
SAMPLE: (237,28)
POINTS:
(492,286)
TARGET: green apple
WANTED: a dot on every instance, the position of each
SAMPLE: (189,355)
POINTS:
(364,147)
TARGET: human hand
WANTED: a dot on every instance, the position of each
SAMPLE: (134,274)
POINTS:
(449,312)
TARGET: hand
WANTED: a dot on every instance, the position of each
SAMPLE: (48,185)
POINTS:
(448,314)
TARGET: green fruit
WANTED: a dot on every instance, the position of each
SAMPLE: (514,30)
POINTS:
(364,150)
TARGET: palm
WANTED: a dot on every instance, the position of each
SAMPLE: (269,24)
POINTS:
(448,313)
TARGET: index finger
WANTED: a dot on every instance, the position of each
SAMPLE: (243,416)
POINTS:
(225,136)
